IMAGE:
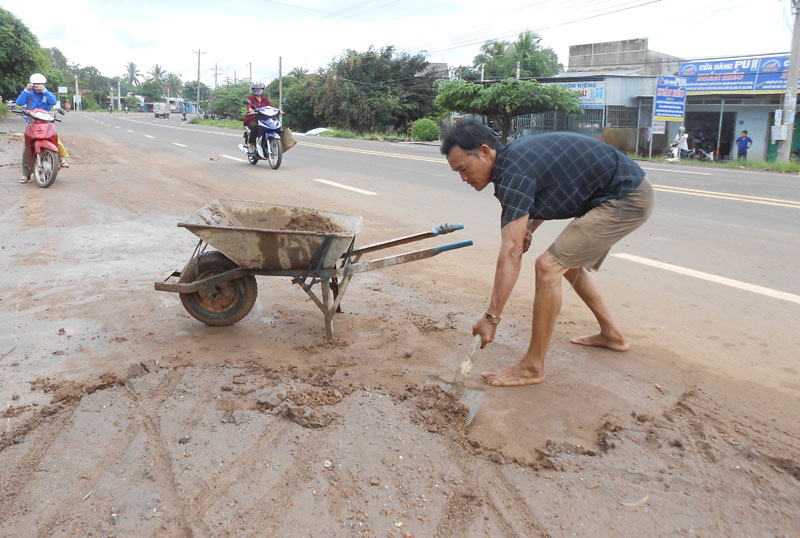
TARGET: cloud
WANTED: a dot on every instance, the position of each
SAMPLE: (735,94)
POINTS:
(126,38)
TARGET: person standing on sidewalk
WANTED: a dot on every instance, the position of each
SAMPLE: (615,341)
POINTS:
(743,143)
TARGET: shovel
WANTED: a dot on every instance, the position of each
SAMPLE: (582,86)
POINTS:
(470,398)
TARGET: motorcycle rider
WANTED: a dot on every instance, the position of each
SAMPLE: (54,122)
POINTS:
(257,100)
(35,95)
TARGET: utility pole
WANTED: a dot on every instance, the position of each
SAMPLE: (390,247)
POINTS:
(251,71)
(790,98)
(77,93)
(483,72)
(280,83)
(517,70)
(234,77)
(119,97)
(198,52)
(216,73)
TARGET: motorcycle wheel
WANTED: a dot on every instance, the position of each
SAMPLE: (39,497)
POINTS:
(45,174)
(275,152)
(230,302)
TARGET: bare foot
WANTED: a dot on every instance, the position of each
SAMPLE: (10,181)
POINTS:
(601,340)
(514,376)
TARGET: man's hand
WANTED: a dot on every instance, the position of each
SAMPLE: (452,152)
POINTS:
(486,329)
(29,86)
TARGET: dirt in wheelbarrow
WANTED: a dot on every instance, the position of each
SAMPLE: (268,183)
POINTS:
(124,416)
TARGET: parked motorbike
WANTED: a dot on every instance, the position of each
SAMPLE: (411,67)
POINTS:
(705,152)
(268,142)
(41,145)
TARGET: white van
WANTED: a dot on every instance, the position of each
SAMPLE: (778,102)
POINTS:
(161,110)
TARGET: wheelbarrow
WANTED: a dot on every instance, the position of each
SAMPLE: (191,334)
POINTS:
(311,246)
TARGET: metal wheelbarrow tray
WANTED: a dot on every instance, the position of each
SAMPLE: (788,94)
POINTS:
(218,287)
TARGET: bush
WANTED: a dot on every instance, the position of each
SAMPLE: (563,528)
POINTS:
(3,110)
(424,129)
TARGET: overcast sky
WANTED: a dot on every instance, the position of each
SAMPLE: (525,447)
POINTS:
(310,33)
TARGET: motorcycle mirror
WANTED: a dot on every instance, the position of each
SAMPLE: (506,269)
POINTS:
(245,102)
(61,111)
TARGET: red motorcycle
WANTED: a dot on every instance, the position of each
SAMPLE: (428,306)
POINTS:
(41,145)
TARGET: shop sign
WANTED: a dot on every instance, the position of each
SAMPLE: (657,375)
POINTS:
(62,89)
(670,100)
(659,127)
(590,93)
(739,75)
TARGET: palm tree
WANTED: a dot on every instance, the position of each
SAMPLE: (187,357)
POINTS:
(157,74)
(132,74)
(299,72)
(173,84)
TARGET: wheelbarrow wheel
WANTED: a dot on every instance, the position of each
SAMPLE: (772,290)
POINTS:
(230,301)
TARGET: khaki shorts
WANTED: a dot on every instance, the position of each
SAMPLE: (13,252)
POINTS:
(585,241)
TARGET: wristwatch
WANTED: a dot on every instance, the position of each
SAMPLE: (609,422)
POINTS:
(494,320)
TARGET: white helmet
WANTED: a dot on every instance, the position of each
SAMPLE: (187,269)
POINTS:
(37,78)
(257,84)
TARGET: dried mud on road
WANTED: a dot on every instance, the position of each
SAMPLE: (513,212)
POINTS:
(126,417)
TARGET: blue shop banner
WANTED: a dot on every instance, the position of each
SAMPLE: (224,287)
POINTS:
(739,75)
(670,101)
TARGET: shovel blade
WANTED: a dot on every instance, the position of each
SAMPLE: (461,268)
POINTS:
(469,398)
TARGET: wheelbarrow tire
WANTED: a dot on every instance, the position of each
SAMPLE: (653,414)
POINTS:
(232,300)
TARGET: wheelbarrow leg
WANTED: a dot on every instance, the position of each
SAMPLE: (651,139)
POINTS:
(329,309)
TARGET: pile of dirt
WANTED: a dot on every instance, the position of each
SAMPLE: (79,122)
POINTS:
(312,222)
(439,411)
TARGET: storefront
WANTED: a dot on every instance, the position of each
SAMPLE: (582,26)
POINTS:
(726,97)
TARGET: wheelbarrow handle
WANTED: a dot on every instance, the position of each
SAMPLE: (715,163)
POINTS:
(447,228)
(452,246)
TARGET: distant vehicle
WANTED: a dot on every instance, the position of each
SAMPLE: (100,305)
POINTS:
(161,110)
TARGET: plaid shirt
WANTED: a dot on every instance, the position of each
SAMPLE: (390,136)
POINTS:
(560,176)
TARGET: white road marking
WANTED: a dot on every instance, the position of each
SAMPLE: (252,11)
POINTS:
(334,184)
(676,171)
(148,136)
(782,295)
(117,127)
(181,145)
(129,130)
(233,158)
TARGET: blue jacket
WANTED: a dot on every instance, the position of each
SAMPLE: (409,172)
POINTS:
(33,99)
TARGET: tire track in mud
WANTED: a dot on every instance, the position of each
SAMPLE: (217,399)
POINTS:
(47,430)
(503,501)
(165,479)
(289,483)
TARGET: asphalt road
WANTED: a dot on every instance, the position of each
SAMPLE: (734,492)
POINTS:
(734,224)
(716,261)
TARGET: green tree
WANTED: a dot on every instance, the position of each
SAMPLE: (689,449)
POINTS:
(374,90)
(506,99)
(20,55)
(299,110)
(157,74)
(131,102)
(152,91)
(190,91)
(132,74)
(226,102)
(173,84)
(298,73)
(499,58)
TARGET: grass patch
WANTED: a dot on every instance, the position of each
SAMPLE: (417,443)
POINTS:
(227,124)
(338,133)
(769,166)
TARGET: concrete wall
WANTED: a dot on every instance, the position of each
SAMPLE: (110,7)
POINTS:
(756,123)
(609,55)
